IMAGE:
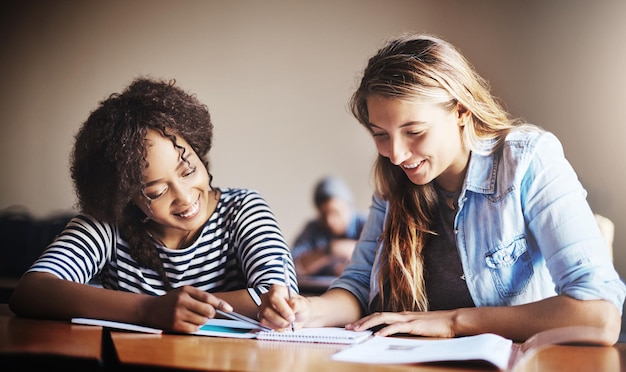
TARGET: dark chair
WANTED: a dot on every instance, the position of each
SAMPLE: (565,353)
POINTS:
(22,239)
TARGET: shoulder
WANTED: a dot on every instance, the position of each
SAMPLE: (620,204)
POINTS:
(238,195)
(84,233)
(90,223)
(521,147)
(528,138)
(234,200)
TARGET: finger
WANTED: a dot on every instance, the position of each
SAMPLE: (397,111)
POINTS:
(415,327)
(215,302)
(281,303)
(370,321)
(392,329)
(276,312)
(194,319)
(187,320)
(222,305)
(205,303)
(272,319)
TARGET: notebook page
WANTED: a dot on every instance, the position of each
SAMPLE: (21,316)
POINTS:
(328,335)
(395,350)
(116,325)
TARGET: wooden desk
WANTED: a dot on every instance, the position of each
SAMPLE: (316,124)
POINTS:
(222,354)
(28,343)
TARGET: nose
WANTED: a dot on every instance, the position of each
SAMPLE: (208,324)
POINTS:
(399,151)
(182,193)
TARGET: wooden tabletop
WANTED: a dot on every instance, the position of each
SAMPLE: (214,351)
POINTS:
(230,354)
(578,358)
(223,354)
(45,343)
(32,340)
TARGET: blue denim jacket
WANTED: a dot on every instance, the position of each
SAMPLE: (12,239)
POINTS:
(524,231)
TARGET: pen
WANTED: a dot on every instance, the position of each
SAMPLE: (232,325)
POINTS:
(236,316)
(286,274)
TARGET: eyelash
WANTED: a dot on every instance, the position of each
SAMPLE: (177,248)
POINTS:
(191,170)
(380,135)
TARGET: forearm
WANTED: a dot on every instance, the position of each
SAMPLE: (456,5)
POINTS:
(335,308)
(44,295)
(522,321)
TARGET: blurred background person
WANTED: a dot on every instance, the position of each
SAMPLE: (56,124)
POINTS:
(324,247)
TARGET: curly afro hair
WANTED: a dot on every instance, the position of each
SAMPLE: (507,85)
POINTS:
(109,155)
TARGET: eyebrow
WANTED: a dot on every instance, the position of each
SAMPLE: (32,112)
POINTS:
(182,162)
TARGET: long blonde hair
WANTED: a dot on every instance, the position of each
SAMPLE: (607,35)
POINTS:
(421,68)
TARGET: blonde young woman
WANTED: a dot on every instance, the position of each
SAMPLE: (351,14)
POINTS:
(478,223)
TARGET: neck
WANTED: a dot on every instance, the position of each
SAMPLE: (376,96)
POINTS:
(452,180)
(170,241)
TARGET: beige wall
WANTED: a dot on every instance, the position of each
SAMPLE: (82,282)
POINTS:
(276,76)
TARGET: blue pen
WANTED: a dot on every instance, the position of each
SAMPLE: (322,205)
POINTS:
(286,276)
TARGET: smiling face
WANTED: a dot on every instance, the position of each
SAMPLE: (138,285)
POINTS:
(176,193)
(421,138)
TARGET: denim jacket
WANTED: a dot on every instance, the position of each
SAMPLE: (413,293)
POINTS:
(524,231)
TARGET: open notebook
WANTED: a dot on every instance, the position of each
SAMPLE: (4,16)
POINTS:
(496,350)
(240,326)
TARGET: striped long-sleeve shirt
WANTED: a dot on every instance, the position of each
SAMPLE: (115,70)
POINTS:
(240,246)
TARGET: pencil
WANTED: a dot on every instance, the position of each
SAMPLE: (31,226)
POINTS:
(286,276)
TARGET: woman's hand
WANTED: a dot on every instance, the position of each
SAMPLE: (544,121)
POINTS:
(277,311)
(428,324)
(182,309)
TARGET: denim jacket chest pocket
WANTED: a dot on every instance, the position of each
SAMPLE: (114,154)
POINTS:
(511,267)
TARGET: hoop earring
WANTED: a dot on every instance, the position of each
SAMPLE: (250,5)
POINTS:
(145,219)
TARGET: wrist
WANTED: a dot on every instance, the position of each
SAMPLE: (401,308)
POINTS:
(314,318)
(142,312)
(464,322)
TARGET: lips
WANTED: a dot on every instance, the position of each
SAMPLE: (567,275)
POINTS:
(412,165)
(191,211)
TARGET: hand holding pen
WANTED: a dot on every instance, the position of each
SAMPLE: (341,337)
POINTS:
(287,281)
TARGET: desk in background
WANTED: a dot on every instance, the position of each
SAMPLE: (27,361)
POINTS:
(314,284)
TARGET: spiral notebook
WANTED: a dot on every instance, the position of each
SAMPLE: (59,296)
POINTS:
(325,335)
(239,326)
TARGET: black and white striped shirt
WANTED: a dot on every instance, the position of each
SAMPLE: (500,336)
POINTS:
(240,246)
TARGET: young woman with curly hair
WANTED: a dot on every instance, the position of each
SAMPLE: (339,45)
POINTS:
(478,224)
(167,247)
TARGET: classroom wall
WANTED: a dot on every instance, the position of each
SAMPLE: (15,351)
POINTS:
(276,76)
